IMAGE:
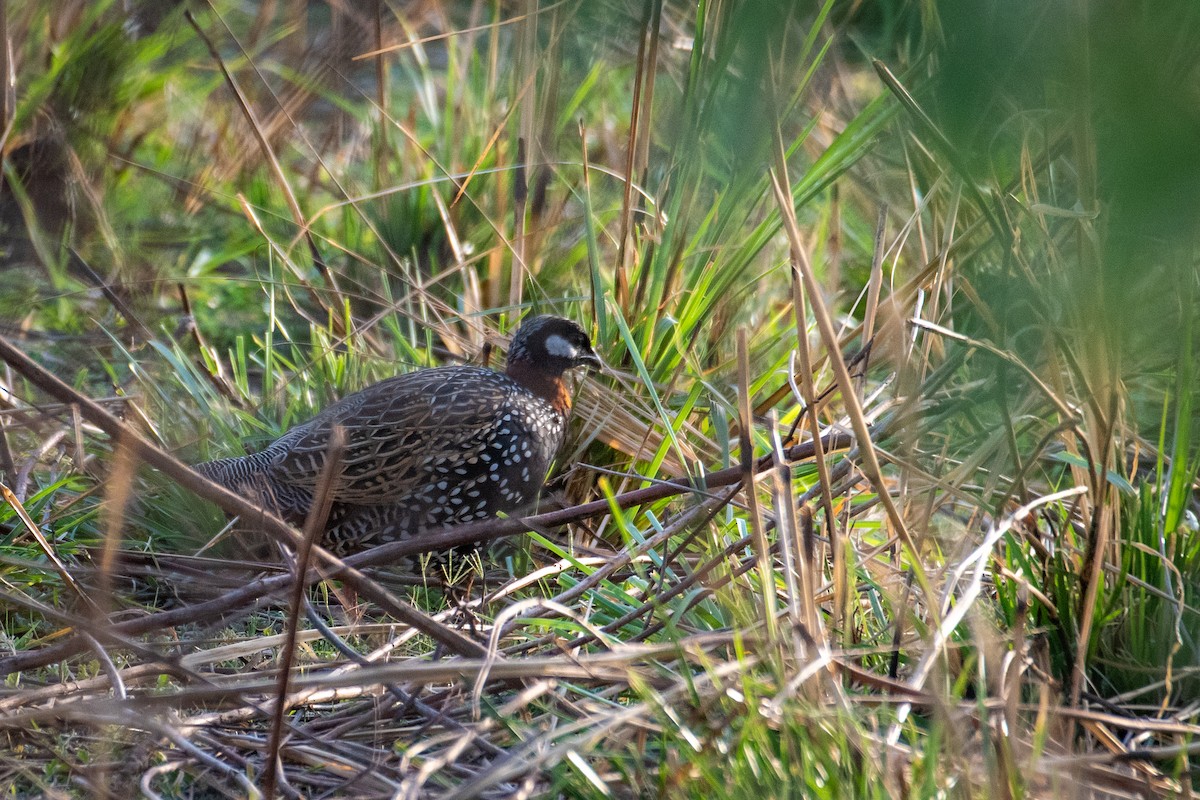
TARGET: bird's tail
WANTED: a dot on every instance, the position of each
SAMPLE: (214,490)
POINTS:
(232,472)
(250,476)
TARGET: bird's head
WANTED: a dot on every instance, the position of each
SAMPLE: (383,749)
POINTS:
(551,345)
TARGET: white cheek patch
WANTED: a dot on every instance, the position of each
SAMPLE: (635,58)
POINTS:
(559,347)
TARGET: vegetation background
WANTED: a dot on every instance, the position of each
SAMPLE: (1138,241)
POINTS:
(888,490)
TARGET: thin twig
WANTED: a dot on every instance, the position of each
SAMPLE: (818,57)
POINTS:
(314,526)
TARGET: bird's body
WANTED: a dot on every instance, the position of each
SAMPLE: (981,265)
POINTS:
(427,449)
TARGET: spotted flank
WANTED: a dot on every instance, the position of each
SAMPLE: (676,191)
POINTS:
(428,449)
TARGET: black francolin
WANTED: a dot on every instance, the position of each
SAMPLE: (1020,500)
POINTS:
(434,447)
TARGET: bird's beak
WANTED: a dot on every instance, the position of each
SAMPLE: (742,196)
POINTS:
(591,361)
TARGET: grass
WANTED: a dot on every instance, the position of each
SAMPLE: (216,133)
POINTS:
(982,583)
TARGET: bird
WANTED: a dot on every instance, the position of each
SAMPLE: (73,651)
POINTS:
(426,449)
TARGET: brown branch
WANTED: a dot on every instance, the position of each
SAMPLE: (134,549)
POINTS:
(391,552)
